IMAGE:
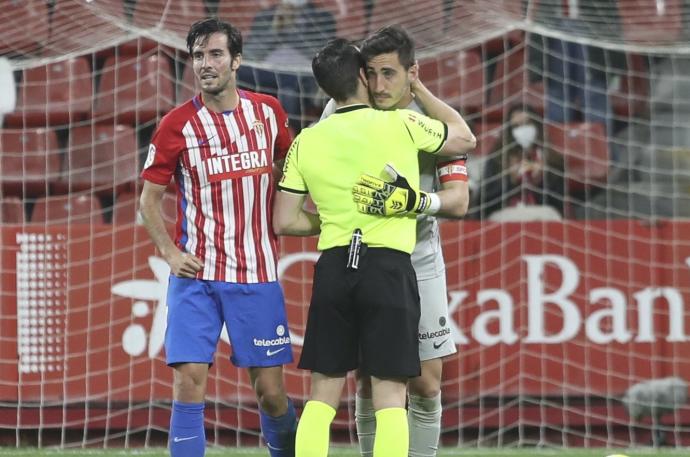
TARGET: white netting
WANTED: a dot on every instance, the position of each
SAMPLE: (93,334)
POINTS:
(558,306)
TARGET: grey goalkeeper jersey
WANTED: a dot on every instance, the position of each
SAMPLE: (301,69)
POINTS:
(427,257)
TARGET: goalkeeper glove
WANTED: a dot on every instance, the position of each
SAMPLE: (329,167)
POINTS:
(376,196)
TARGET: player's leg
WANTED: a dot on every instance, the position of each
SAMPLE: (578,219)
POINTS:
(313,431)
(365,415)
(424,409)
(257,326)
(191,336)
(435,342)
(187,434)
(276,411)
(388,396)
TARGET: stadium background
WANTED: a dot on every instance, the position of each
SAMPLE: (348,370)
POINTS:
(554,320)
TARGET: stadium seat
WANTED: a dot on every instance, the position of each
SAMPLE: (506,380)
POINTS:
(126,208)
(29,161)
(175,16)
(241,14)
(651,21)
(12,211)
(68,209)
(526,213)
(59,93)
(584,147)
(28,35)
(457,77)
(510,85)
(100,158)
(424,21)
(134,89)
(73,24)
(632,95)
(469,15)
(186,87)
(350,17)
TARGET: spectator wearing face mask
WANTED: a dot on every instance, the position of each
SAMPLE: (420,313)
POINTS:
(520,171)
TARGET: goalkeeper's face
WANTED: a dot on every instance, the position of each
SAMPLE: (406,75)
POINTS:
(213,64)
(389,81)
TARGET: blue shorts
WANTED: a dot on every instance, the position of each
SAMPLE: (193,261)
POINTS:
(254,315)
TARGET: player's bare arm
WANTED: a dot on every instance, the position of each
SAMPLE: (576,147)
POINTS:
(454,197)
(290,217)
(460,138)
(277,170)
(182,264)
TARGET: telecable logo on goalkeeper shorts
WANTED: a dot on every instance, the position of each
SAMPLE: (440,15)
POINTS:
(436,334)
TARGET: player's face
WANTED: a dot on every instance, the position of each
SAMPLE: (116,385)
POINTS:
(213,65)
(389,82)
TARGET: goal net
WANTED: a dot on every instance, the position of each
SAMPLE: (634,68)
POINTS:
(568,281)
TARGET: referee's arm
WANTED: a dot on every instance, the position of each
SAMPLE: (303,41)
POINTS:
(290,217)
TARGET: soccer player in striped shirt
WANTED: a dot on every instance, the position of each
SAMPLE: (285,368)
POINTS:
(221,146)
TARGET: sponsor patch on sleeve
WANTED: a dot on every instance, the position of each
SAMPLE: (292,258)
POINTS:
(151,156)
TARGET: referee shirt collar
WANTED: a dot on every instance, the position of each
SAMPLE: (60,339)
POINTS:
(348,108)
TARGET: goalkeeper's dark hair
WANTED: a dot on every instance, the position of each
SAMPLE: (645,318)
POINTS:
(392,38)
(337,68)
(204,28)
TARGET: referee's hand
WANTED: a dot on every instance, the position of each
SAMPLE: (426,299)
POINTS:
(388,198)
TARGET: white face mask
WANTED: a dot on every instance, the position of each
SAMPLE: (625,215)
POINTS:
(525,135)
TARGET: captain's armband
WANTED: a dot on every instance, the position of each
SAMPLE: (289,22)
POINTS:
(455,170)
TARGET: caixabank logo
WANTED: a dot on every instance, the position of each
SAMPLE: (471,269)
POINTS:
(609,322)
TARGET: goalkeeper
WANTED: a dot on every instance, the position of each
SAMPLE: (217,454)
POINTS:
(394,83)
(364,310)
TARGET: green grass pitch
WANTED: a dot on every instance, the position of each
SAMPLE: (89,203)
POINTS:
(351,452)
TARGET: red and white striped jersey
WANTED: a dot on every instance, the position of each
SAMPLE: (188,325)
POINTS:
(223,163)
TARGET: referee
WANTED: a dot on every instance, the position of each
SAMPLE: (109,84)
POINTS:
(364,310)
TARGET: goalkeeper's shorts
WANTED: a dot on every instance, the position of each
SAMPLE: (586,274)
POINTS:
(254,315)
(365,318)
(435,339)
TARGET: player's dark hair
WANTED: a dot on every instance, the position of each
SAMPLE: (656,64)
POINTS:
(392,38)
(203,29)
(336,69)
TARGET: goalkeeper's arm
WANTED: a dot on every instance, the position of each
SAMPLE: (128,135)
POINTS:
(460,138)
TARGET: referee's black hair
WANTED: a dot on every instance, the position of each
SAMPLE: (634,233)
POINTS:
(392,38)
(203,29)
(336,69)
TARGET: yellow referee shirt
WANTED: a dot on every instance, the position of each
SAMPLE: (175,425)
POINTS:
(327,159)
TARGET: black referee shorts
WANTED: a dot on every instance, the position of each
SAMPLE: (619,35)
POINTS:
(366,318)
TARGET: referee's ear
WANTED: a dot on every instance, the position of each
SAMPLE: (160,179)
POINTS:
(363,78)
